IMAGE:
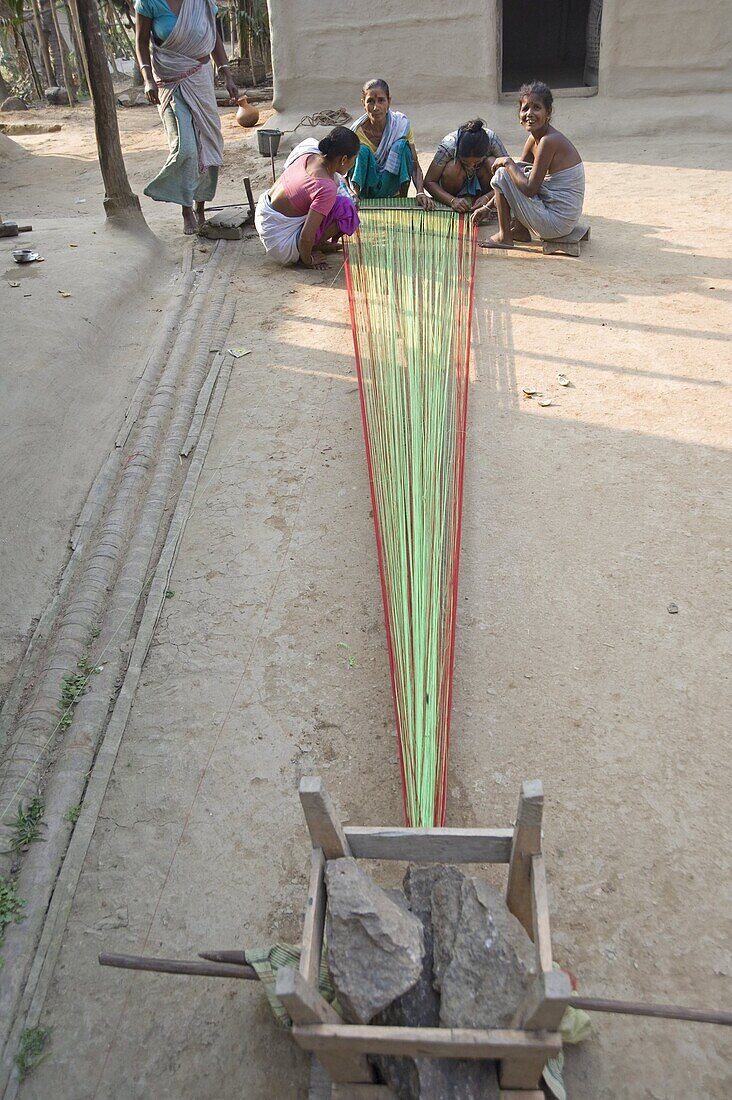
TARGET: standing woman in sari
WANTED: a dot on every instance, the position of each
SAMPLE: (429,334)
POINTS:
(387,159)
(178,77)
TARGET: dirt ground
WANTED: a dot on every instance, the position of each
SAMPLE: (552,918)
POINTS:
(582,523)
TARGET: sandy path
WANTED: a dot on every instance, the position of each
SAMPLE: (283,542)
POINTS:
(582,523)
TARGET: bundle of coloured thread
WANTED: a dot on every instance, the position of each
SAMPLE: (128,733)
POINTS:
(410,278)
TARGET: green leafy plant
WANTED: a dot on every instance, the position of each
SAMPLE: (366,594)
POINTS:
(30,1049)
(27,825)
(11,906)
(72,814)
(73,687)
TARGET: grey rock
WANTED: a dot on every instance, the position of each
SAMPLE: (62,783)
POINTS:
(484,962)
(375,947)
(459,1079)
(58,97)
(430,1078)
(13,103)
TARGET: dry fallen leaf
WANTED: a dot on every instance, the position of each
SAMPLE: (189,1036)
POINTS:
(73,246)
(546,402)
(239,352)
(528,392)
(64,293)
(562,380)
(13,284)
(673,609)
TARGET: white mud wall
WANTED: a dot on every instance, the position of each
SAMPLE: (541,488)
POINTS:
(323,50)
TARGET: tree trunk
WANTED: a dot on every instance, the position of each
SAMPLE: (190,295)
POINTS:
(119,200)
(4,90)
(64,55)
(43,44)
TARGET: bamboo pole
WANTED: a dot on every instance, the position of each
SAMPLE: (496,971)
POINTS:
(78,50)
(43,46)
(63,54)
(74,13)
(19,35)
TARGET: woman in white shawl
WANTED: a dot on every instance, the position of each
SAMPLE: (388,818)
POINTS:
(182,37)
(387,159)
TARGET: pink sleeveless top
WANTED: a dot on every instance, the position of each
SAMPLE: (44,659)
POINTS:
(306,193)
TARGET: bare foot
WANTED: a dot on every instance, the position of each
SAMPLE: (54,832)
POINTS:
(331,246)
(190,221)
(497,241)
(200,213)
(519,232)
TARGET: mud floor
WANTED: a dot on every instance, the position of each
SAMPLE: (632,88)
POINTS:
(583,522)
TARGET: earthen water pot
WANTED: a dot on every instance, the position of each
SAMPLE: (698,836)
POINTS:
(247,115)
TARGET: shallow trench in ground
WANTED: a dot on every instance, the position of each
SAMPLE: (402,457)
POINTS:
(582,523)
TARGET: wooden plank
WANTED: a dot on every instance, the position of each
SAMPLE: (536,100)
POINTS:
(431,845)
(526,843)
(306,1007)
(436,1042)
(542,1011)
(314,922)
(322,821)
(540,914)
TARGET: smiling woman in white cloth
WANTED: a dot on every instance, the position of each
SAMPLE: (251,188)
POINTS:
(179,79)
(542,193)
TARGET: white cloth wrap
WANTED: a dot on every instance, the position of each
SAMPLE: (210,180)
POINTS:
(397,127)
(177,69)
(556,209)
(279,234)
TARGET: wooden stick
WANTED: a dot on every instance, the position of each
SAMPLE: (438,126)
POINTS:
(665,1012)
(179,966)
(414,209)
(238,958)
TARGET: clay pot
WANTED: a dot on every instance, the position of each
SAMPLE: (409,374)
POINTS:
(247,115)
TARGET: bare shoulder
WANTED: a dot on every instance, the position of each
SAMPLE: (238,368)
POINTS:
(559,149)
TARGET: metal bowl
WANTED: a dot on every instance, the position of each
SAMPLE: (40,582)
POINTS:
(24,255)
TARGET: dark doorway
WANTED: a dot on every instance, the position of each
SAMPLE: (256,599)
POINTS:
(544,40)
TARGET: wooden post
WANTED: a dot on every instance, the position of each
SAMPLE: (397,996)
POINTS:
(305,1006)
(322,821)
(120,203)
(542,1011)
(526,843)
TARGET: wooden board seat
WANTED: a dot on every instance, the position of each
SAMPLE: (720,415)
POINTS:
(569,245)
